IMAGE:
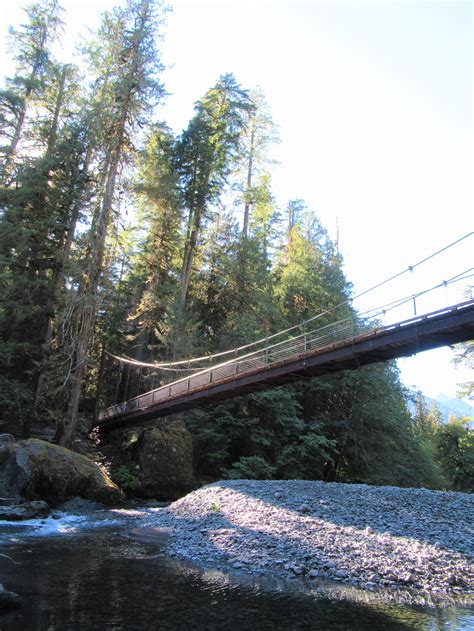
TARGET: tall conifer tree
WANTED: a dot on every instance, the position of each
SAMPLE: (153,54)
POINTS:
(126,61)
(31,43)
(205,155)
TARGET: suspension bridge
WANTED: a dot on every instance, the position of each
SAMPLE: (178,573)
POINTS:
(346,344)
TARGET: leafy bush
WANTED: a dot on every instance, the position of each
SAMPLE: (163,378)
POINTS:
(125,478)
(250,468)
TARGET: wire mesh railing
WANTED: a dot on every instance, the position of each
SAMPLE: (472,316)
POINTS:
(326,337)
(258,360)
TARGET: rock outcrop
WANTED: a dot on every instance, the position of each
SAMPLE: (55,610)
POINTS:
(27,510)
(165,459)
(37,470)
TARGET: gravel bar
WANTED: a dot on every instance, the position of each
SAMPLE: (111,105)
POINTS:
(365,536)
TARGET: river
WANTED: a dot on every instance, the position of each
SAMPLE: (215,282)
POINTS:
(83,571)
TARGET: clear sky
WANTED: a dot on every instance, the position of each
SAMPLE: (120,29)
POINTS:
(375,111)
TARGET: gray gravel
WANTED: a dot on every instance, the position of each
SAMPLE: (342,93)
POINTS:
(359,535)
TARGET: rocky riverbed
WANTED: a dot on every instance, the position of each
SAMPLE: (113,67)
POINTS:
(413,540)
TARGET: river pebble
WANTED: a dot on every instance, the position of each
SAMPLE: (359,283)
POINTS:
(351,533)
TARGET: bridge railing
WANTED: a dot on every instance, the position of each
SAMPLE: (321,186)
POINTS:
(344,330)
(250,362)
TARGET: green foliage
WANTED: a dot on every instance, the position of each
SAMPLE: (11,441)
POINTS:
(16,403)
(152,278)
(261,435)
(204,155)
(31,46)
(455,446)
(40,212)
(250,468)
(465,356)
(125,478)
(309,270)
(206,149)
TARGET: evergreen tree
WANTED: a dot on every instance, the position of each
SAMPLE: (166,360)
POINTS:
(36,232)
(259,134)
(259,436)
(364,413)
(257,313)
(31,43)
(309,272)
(236,304)
(126,60)
(465,356)
(155,273)
(205,154)
(455,446)
(213,296)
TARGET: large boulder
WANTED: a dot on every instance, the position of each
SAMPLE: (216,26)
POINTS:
(36,470)
(165,459)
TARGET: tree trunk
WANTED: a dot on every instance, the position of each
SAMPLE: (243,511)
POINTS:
(245,228)
(66,430)
(187,265)
(53,132)
(194,225)
(57,282)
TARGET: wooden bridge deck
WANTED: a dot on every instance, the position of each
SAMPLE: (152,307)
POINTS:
(442,328)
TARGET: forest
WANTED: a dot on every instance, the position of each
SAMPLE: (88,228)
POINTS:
(119,236)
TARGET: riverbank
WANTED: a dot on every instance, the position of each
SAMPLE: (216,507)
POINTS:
(412,540)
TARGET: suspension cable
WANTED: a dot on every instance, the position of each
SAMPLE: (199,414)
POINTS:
(382,309)
(170,365)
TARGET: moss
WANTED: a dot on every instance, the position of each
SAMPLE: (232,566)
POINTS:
(165,456)
(36,469)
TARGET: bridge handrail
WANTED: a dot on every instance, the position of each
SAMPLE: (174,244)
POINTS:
(266,352)
(323,336)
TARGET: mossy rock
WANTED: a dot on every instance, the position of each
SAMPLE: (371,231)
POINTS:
(37,470)
(165,459)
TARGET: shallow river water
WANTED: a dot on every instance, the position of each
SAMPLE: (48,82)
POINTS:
(84,572)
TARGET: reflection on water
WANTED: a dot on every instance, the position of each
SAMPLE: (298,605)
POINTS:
(100,580)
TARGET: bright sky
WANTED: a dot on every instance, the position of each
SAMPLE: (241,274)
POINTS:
(375,110)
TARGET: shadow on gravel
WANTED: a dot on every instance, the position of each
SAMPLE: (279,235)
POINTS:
(422,515)
(234,545)
(282,548)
